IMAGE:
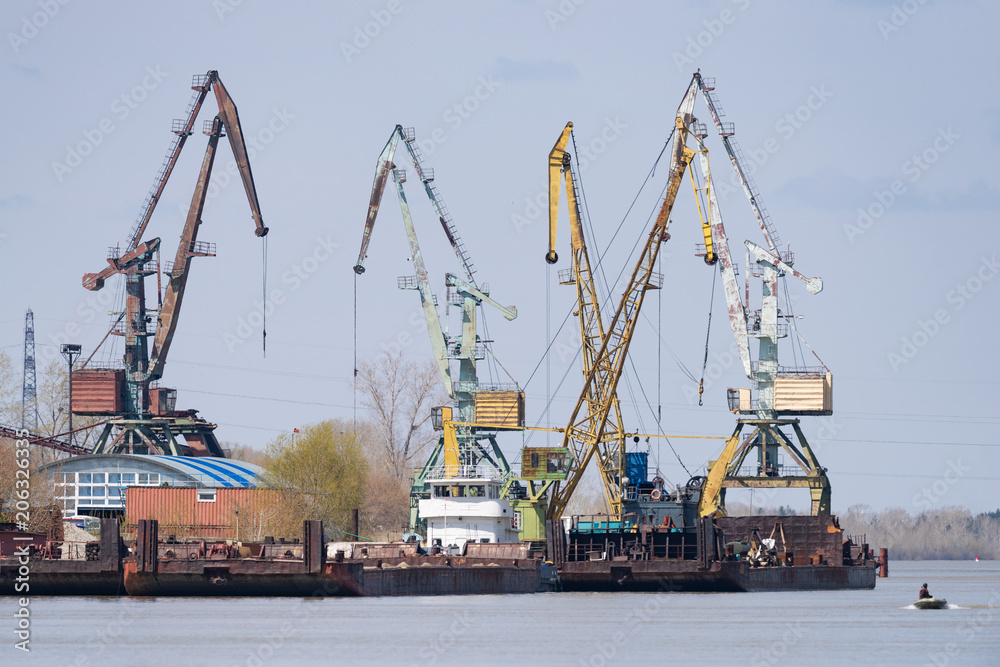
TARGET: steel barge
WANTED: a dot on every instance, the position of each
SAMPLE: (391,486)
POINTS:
(728,554)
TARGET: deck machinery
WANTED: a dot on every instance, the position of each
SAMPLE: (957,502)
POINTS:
(142,416)
(479,412)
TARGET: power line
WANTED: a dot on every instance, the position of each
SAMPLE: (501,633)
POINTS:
(261,371)
(911,442)
(265,398)
(905,476)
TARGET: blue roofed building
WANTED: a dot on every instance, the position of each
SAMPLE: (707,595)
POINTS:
(95,485)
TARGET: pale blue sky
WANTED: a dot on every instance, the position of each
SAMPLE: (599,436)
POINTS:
(322,98)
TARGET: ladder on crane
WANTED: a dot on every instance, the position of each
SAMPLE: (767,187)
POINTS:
(727,131)
(182,129)
(426,176)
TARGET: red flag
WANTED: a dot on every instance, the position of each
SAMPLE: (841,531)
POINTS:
(295,430)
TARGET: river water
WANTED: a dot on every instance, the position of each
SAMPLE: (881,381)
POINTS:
(580,629)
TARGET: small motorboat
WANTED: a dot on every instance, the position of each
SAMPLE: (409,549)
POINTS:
(931,603)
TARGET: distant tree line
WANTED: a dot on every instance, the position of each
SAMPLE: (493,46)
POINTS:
(947,533)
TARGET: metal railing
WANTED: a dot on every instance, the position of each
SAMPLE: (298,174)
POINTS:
(115,365)
(70,550)
(756,329)
(481,471)
(142,328)
(815,371)
(201,249)
(455,350)
(500,386)
(773,470)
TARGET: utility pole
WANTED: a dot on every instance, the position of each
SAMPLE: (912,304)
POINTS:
(72,353)
(29,395)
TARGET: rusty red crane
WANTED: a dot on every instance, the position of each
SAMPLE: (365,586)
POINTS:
(142,416)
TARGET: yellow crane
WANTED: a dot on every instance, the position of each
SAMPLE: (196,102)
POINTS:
(608,440)
(587,426)
(600,430)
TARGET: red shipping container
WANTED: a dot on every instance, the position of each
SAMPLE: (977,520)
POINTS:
(209,513)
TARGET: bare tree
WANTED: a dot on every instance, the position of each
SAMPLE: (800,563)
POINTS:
(53,402)
(53,407)
(44,511)
(240,452)
(400,394)
(10,394)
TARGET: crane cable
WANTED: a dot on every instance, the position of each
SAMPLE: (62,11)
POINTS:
(354,378)
(708,335)
(600,258)
(600,267)
(263,297)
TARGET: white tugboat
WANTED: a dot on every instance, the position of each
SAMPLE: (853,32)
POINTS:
(466,506)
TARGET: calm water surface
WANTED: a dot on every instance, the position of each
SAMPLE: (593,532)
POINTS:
(853,627)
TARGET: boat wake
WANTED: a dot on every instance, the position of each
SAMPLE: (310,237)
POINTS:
(947,606)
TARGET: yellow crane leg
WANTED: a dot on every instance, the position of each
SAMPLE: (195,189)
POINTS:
(711,493)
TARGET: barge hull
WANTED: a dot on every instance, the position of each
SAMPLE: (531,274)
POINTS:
(62,578)
(809,578)
(721,577)
(207,578)
(435,575)
(53,570)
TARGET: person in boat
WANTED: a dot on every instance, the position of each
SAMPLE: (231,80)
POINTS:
(924,593)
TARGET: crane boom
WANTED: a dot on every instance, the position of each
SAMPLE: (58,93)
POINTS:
(814,285)
(438,340)
(720,250)
(383,168)
(707,87)
(598,393)
(226,123)
(610,447)
(137,430)
(231,122)
(183,129)
(186,249)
